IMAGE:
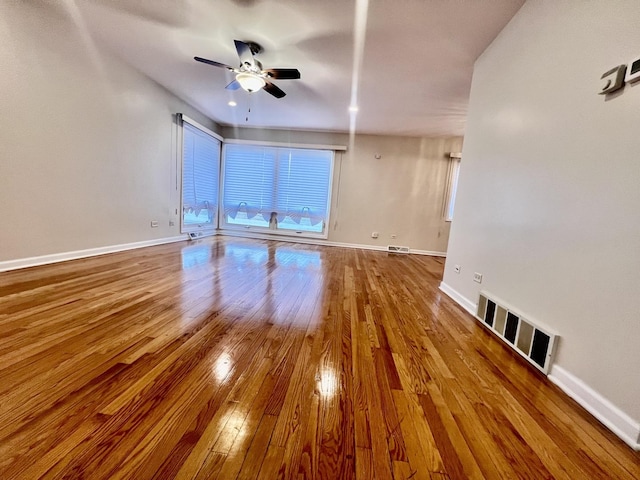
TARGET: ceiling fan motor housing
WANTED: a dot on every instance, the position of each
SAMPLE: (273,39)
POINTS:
(255,68)
(255,48)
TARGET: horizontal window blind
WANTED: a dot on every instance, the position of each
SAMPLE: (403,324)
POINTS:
(200,177)
(249,174)
(292,182)
(303,183)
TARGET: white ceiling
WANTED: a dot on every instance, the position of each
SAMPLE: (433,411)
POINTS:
(416,67)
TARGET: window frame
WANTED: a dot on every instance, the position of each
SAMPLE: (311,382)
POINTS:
(212,228)
(222,219)
(451,188)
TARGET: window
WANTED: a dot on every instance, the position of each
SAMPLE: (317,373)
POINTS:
(200,177)
(283,190)
(452,185)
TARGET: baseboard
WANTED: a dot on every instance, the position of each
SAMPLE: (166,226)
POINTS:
(320,241)
(607,413)
(461,300)
(430,253)
(90,252)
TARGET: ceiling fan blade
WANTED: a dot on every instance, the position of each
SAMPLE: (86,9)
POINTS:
(211,62)
(283,73)
(235,85)
(273,90)
(244,52)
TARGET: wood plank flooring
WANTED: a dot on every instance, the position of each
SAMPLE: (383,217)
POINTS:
(232,358)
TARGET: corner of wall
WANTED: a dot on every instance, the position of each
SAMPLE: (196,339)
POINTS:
(457,297)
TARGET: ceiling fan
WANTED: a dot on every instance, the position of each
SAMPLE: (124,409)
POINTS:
(249,75)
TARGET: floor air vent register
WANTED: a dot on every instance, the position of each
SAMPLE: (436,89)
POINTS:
(397,249)
(524,336)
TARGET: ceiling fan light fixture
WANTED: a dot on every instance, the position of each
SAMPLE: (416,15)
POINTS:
(250,81)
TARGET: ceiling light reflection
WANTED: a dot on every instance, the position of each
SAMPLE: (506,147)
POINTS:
(328,383)
(222,367)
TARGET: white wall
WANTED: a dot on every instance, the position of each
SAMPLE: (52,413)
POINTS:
(400,194)
(86,143)
(549,198)
(88,152)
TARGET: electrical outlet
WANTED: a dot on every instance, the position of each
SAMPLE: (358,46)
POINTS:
(477,277)
(374,234)
(154,223)
(171,223)
(456,269)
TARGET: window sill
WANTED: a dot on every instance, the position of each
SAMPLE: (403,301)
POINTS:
(208,230)
(276,233)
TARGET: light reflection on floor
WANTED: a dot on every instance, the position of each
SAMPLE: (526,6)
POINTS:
(195,255)
(238,276)
(299,259)
(255,254)
(284,256)
(328,383)
(222,367)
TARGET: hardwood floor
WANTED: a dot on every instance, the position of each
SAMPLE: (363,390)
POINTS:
(232,358)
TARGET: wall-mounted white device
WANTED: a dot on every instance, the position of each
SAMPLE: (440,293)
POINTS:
(612,80)
(633,71)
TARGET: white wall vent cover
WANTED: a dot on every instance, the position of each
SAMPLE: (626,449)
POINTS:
(534,343)
(397,249)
